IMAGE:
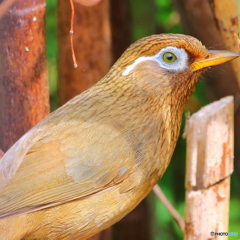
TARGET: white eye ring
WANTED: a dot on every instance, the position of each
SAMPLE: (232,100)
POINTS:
(179,65)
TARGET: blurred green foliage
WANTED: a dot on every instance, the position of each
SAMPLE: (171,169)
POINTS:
(51,31)
(152,17)
(167,17)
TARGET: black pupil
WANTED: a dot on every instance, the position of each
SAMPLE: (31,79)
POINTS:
(169,56)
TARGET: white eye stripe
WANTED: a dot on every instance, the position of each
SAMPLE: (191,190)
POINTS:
(135,63)
(179,65)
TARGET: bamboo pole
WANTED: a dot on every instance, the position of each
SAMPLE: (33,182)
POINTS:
(120,19)
(92,45)
(23,70)
(227,22)
(209,166)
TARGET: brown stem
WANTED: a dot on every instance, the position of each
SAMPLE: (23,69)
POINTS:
(71,34)
(159,193)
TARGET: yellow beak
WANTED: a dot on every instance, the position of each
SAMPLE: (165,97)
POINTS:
(213,58)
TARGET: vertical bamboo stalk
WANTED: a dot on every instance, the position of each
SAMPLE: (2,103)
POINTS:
(120,27)
(23,70)
(209,165)
(92,44)
(227,23)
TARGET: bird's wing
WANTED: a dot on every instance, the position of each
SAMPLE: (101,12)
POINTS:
(67,160)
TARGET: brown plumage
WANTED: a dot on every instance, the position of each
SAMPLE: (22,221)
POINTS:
(94,159)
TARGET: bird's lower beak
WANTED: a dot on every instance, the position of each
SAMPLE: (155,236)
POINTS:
(213,58)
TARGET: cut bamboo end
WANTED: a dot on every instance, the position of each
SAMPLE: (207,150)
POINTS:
(209,135)
(210,144)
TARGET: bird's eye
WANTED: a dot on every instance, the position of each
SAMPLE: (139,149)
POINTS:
(169,57)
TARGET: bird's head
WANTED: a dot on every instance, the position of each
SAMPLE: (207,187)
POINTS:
(168,63)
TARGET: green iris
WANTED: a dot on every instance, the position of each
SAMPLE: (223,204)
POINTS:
(169,57)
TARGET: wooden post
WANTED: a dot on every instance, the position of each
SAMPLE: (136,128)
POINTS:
(120,19)
(92,45)
(209,165)
(23,70)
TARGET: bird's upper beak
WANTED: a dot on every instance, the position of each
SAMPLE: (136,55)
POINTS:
(213,58)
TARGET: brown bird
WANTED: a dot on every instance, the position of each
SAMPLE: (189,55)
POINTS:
(90,162)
